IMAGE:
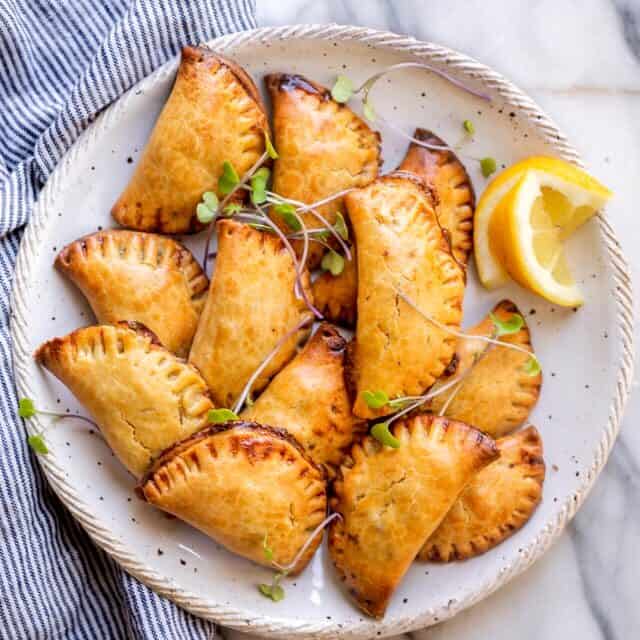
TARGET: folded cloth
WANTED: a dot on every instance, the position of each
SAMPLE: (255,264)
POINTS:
(61,62)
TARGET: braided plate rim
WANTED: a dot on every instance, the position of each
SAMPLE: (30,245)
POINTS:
(282,627)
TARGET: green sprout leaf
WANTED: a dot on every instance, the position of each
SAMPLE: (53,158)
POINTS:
(467,125)
(368,110)
(323,235)
(259,185)
(342,89)
(204,213)
(217,416)
(288,213)
(341,226)
(37,444)
(507,327)
(26,408)
(532,366)
(268,552)
(488,166)
(228,180)
(333,262)
(231,208)
(271,151)
(273,591)
(211,200)
(375,399)
(381,433)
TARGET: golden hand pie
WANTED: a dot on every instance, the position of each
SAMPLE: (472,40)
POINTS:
(142,397)
(128,275)
(392,500)
(308,399)
(495,504)
(336,296)
(323,148)
(214,113)
(401,248)
(497,395)
(443,172)
(251,305)
(239,482)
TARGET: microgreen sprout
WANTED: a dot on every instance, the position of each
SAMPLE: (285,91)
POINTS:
(375,399)
(232,208)
(342,89)
(332,262)
(340,226)
(368,110)
(288,213)
(380,431)
(488,166)
(532,366)
(263,365)
(218,416)
(268,145)
(208,208)
(467,125)
(27,409)
(259,185)
(507,327)
(229,178)
(274,591)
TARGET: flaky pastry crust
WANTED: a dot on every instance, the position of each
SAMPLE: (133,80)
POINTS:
(392,500)
(251,305)
(495,504)
(214,113)
(497,395)
(401,248)
(242,483)
(129,275)
(309,399)
(142,397)
(323,147)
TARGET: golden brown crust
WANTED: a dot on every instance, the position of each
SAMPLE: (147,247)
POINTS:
(495,504)
(380,493)
(401,248)
(129,275)
(336,296)
(214,113)
(238,483)
(142,396)
(497,395)
(323,148)
(308,398)
(446,175)
(251,305)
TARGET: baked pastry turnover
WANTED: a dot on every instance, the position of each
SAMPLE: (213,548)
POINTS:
(242,483)
(495,504)
(128,275)
(323,148)
(214,113)
(401,249)
(392,500)
(496,395)
(142,397)
(308,399)
(443,172)
(251,306)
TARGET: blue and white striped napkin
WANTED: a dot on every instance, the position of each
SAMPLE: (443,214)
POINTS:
(62,61)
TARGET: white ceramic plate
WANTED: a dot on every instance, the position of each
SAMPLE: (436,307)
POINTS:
(586,355)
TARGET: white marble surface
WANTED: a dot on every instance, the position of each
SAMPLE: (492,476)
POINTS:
(580,59)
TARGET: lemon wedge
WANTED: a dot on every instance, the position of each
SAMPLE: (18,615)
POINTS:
(559,196)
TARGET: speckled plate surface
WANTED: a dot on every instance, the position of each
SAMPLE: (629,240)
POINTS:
(586,355)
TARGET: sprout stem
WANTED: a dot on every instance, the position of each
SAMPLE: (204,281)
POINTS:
(368,84)
(286,568)
(460,334)
(256,374)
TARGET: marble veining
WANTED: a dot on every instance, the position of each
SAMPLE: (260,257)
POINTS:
(580,59)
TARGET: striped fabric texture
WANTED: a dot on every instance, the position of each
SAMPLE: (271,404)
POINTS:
(61,62)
